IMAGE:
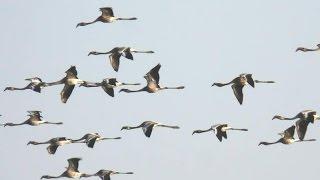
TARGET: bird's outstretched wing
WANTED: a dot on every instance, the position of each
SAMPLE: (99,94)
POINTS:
(73,164)
(109,91)
(250,80)
(153,74)
(302,126)
(52,149)
(147,129)
(115,61)
(237,90)
(107,11)
(66,92)
(289,133)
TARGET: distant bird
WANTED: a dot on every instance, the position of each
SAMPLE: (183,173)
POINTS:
(91,138)
(306,49)
(239,82)
(305,117)
(107,16)
(117,52)
(70,80)
(71,172)
(35,84)
(107,85)
(287,137)
(105,174)
(153,86)
(220,130)
(35,119)
(148,126)
(54,143)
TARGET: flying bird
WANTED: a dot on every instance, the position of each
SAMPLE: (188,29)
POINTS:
(91,138)
(106,16)
(152,78)
(70,80)
(35,85)
(306,49)
(116,53)
(305,117)
(239,82)
(70,172)
(35,119)
(54,143)
(107,85)
(220,130)
(105,174)
(148,126)
(287,137)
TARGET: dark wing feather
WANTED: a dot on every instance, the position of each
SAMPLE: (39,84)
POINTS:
(90,143)
(37,88)
(115,61)
(52,149)
(106,177)
(302,126)
(66,92)
(128,54)
(219,136)
(148,129)
(109,91)
(107,11)
(112,81)
(224,134)
(289,133)
(153,74)
(237,90)
(73,164)
(250,80)
(72,70)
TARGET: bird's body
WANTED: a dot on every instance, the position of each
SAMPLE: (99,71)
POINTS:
(36,84)
(220,130)
(117,52)
(305,117)
(91,138)
(35,119)
(107,16)
(105,174)
(147,127)
(107,85)
(70,80)
(239,82)
(287,137)
(71,171)
(54,143)
(152,78)
(303,49)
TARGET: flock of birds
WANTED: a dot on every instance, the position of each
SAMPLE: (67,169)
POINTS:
(70,80)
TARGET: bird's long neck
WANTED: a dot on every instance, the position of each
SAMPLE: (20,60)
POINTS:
(12,124)
(131,84)
(123,172)
(307,140)
(222,84)
(167,126)
(132,18)
(51,177)
(39,143)
(237,129)
(286,118)
(87,23)
(134,127)
(269,143)
(179,87)
(99,53)
(258,81)
(132,91)
(15,88)
(201,131)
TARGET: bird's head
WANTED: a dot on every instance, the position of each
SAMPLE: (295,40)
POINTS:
(124,90)
(81,24)
(301,49)
(217,84)
(125,127)
(262,143)
(8,124)
(277,117)
(93,53)
(45,177)
(32,142)
(8,88)
(196,131)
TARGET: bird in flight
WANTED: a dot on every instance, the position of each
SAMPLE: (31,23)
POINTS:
(152,78)
(107,84)
(105,174)
(117,52)
(220,130)
(54,143)
(107,16)
(35,85)
(287,137)
(147,127)
(239,82)
(91,138)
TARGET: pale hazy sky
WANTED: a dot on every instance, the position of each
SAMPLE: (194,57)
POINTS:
(197,43)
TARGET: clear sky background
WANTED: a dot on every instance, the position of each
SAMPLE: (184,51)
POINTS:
(197,43)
